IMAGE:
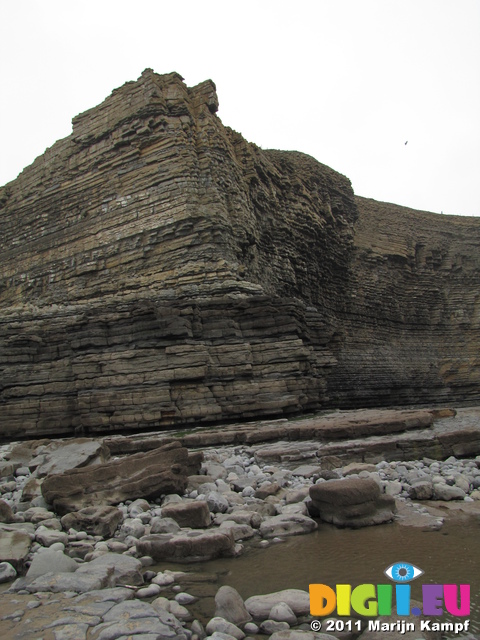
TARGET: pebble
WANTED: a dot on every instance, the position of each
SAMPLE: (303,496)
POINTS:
(185,598)
(149,592)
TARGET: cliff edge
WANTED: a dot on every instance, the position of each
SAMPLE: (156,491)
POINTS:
(157,269)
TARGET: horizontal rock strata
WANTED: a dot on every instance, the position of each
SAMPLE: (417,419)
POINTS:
(352,502)
(157,269)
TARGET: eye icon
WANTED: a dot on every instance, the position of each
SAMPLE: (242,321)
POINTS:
(402,572)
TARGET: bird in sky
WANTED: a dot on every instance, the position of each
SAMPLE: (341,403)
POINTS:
(406,142)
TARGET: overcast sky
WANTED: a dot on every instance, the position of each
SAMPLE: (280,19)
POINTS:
(346,81)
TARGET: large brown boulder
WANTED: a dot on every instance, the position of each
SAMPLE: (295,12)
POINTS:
(194,514)
(352,502)
(188,546)
(142,475)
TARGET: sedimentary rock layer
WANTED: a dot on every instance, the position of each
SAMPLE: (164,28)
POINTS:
(413,325)
(157,269)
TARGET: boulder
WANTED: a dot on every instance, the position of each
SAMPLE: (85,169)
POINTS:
(421,490)
(98,521)
(188,514)
(32,489)
(60,456)
(189,546)
(352,502)
(230,606)
(126,570)
(446,492)
(217,503)
(142,475)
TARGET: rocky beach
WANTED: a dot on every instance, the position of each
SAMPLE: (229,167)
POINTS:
(208,350)
(95,562)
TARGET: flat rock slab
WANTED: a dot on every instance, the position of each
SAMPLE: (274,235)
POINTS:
(54,615)
(60,456)
(14,547)
(108,570)
(191,546)
(409,515)
(142,475)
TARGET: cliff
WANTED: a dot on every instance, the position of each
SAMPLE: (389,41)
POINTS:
(412,332)
(157,269)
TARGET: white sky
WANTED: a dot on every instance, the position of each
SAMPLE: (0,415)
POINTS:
(346,81)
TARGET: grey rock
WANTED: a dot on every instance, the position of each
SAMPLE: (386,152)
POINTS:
(98,521)
(6,512)
(217,503)
(47,537)
(447,492)
(7,572)
(185,598)
(393,488)
(133,527)
(149,592)
(38,514)
(59,456)
(164,525)
(14,547)
(151,628)
(287,525)
(230,606)
(138,507)
(163,579)
(240,516)
(307,470)
(239,531)
(421,490)
(126,570)
(271,626)
(281,612)
(260,606)
(48,561)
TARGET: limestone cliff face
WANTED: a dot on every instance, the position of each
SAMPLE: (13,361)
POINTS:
(412,332)
(157,269)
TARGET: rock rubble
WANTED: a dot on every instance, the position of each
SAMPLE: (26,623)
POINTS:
(97,553)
